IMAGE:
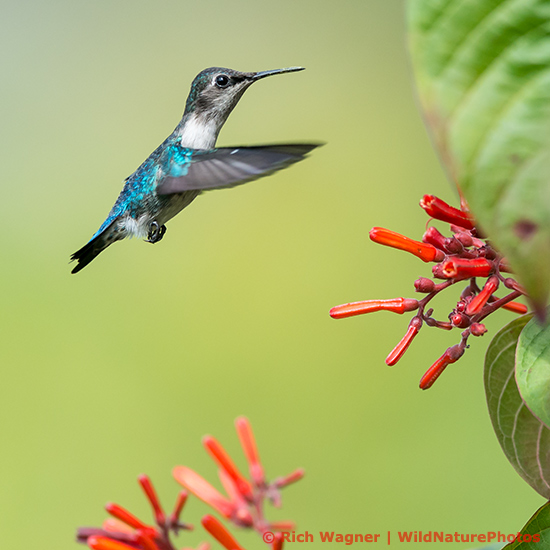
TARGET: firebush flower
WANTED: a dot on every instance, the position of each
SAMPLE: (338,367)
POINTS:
(243,504)
(464,256)
(124,531)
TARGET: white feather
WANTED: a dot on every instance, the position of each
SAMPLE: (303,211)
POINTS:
(198,133)
(137,228)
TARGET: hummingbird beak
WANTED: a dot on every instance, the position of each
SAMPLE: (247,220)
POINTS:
(263,74)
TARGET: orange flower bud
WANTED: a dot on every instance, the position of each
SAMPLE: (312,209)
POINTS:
(219,454)
(278,541)
(203,490)
(451,355)
(477,303)
(426,252)
(151,494)
(220,533)
(126,517)
(515,307)
(395,305)
(180,503)
(293,477)
(104,543)
(248,443)
(399,350)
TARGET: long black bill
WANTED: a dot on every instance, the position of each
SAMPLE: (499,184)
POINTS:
(263,74)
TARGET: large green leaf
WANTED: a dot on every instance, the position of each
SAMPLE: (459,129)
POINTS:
(533,369)
(483,74)
(524,439)
(538,527)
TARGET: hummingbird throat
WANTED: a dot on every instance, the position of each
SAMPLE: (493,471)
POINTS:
(199,132)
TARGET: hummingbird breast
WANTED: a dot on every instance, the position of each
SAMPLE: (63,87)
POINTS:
(161,209)
(170,205)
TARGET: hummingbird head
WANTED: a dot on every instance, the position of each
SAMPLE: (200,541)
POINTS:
(214,93)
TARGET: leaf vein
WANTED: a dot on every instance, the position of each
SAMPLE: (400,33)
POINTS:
(539,464)
(472,30)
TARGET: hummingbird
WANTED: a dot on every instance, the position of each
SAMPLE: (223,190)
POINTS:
(187,163)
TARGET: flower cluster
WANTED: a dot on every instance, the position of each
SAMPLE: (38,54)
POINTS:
(243,505)
(124,531)
(464,256)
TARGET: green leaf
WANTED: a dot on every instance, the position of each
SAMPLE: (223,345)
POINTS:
(524,439)
(537,527)
(533,369)
(491,547)
(483,74)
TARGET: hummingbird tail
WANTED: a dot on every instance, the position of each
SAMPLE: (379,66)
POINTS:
(94,247)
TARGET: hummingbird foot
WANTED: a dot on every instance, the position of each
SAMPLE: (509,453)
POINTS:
(156,232)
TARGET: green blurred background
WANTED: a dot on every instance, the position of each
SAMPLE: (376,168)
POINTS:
(121,369)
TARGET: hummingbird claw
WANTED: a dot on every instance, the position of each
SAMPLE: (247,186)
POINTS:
(156,232)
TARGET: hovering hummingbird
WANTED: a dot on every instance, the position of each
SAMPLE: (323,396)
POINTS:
(187,163)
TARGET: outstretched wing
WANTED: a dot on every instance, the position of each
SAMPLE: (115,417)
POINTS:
(230,166)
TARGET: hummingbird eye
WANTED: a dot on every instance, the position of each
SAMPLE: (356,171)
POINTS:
(222,81)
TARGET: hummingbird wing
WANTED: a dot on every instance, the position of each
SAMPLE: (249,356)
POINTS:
(229,166)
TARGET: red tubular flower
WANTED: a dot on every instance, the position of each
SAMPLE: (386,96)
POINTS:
(174,520)
(248,443)
(219,454)
(203,490)
(115,525)
(243,508)
(395,305)
(440,210)
(235,497)
(463,268)
(146,541)
(104,543)
(282,526)
(515,307)
(434,237)
(477,303)
(451,355)
(126,517)
(220,533)
(426,252)
(295,476)
(151,494)
(124,530)
(278,542)
(405,342)
(465,254)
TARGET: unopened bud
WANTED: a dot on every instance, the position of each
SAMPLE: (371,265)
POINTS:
(460,320)
(424,285)
(478,329)
(453,246)
(434,237)
(464,238)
